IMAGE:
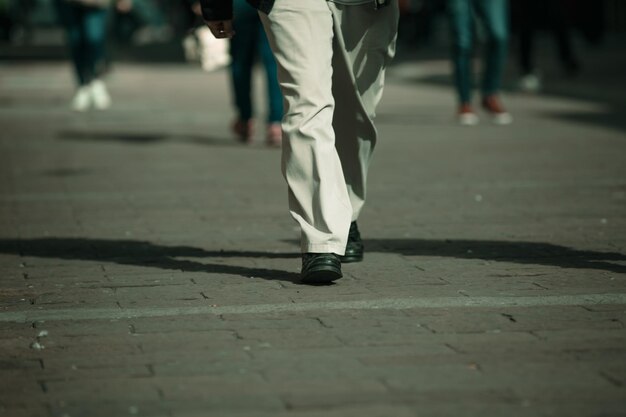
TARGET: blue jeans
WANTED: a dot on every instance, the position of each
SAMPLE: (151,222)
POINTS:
(86,35)
(249,40)
(494,16)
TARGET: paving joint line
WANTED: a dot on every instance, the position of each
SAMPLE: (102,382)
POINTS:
(373,304)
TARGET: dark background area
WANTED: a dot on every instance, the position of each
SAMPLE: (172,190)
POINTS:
(153,31)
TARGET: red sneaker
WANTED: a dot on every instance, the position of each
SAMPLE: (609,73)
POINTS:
(274,136)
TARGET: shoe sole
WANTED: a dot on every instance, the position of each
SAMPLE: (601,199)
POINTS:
(322,275)
(351,259)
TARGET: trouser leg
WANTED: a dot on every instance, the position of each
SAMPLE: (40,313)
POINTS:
(275,97)
(242,50)
(364,44)
(71,17)
(460,12)
(94,29)
(560,25)
(301,36)
(527,33)
(495,15)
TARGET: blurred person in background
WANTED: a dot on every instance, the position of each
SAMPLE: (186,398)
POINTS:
(146,23)
(16,15)
(555,16)
(494,16)
(85,22)
(244,48)
(6,20)
(331,57)
(419,21)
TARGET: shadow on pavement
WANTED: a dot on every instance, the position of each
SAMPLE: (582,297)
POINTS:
(490,250)
(145,138)
(140,253)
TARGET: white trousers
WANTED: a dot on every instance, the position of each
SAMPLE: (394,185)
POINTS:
(331,65)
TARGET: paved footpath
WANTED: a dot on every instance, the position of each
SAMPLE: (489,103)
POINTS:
(148,265)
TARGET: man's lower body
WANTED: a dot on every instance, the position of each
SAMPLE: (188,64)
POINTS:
(494,16)
(331,64)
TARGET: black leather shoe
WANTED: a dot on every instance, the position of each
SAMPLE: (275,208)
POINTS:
(320,268)
(354,248)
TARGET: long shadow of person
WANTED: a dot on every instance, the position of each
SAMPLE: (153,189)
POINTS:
(140,253)
(143,138)
(503,251)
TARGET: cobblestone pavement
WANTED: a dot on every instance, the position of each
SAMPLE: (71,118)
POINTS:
(149,266)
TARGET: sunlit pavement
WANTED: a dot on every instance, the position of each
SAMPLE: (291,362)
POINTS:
(148,264)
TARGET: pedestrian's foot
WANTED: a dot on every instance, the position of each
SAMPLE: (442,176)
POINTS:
(99,95)
(466,115)
(82,99)
(274,136)
(496,110)
(320,268)
(243,130)
(530,83)
(354,248)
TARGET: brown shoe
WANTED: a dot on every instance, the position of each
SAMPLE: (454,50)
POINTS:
(494,107)
(274,136)
(243,130)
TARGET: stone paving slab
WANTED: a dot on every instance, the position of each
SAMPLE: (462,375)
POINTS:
(148,265)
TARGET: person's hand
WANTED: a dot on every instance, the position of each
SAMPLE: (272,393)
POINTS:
(196,8)
(124,6)
(221,28)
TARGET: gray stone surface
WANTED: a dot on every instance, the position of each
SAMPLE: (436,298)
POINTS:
(148,265)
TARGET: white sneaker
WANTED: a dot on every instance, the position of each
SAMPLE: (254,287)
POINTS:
(466,115)
(530,83)
(467,119)
(100,95)
(82,99)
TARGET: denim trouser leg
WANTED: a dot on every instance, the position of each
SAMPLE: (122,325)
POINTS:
(86,36)
(249,40)
(462,34)
(242,49)
(494,14)
(94,30)
(528,10)
(70,17)
(148,13)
